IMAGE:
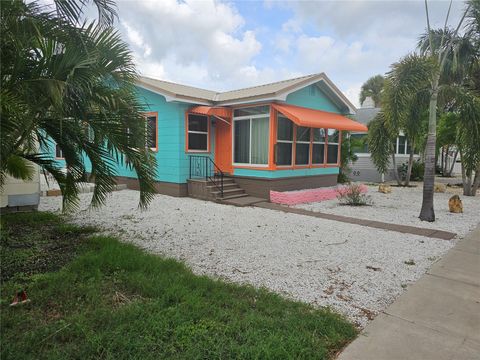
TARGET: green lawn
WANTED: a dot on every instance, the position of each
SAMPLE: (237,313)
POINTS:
(94,297)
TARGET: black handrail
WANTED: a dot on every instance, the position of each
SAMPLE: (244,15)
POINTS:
(205,167)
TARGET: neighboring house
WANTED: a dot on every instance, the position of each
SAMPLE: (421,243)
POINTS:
(19,195)
(364,169)
(280,136)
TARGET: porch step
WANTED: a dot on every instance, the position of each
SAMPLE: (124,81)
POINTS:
(225,186)
(233,197)
(227,192)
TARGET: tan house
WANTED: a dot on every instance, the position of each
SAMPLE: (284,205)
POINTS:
(19,195)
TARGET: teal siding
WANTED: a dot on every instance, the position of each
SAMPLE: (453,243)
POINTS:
(286,173)
(172,160)
(312,97)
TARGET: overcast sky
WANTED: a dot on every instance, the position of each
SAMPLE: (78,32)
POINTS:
(223,45)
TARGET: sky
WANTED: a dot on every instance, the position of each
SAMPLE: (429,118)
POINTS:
(224,45)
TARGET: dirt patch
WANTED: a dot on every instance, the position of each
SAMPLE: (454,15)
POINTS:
(31,247)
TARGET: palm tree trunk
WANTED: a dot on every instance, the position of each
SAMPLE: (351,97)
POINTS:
(450,172)
(427,213)
(467,185)
(409,168)
(476,180)
(464,175)
(395,170)
(443,157)
(445,165)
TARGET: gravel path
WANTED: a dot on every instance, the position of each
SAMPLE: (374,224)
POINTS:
(403,205)
(356,270)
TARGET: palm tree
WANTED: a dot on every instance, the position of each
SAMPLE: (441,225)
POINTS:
(372,88)
(423,74)
(405,113)
(457,61)
(73,84)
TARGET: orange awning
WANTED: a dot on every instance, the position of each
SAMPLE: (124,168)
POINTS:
(221,112)
(318,119)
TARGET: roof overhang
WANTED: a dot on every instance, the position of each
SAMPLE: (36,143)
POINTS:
(169,96)
(333,93)
(223,99)
(217,111)
(318,119)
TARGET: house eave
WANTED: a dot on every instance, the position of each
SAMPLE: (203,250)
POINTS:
(170,97)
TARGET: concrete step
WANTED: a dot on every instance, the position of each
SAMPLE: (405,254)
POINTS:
(233,197)
(225,186)
(243,201)
(227,192)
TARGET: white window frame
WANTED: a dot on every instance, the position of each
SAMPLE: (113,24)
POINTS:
(62,156)
(318,143)
(398,146)
(334,143)
(250,118)
(198,132)
(147,115)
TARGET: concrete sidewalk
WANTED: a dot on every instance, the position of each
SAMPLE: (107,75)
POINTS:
(437,318)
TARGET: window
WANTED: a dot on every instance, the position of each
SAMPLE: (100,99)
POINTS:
(252,110)
(151,131)
(333,137)
(318,151)
(359,143)
(302,146)
(242,142)
(250,135)
(58,152)
(401,145)
(309,144)
(284,140)
(197,132)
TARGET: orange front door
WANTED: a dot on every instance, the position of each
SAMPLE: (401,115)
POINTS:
(223,145)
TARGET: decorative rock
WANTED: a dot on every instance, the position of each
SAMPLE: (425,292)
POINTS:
(439,188)
(384,188)
(455,204)
(54,192)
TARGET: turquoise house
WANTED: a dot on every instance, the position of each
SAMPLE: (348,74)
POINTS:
(279,136)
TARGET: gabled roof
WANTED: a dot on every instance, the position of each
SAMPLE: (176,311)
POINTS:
(266,89)
(365,115)
(174,91)
(274,91)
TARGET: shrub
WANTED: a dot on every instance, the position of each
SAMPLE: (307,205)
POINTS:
(353,195)
(418,168)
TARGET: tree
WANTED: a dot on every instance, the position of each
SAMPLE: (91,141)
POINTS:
(399,114)
(74,84)
(347,157)
(424,73)
(457,59)
(372,88)
(381,144)
(447,140)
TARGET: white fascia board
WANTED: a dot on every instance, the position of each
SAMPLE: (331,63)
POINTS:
(269,98)
(323,78)
(171,97)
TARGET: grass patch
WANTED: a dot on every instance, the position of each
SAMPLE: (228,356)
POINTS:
(114,301)
(33,243)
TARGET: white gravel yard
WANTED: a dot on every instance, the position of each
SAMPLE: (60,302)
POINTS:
(356,270)
(403,205)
